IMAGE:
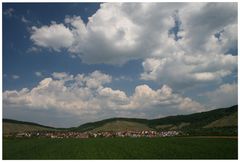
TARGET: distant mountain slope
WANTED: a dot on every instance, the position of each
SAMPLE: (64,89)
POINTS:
(197,120)
(219,120)
(14,126)
(226,121)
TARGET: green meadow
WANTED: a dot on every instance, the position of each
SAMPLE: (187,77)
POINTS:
(121,148)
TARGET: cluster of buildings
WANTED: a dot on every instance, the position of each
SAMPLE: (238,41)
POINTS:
(105,134)
(149,133)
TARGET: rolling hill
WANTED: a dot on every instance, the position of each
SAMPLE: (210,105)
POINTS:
(119,125)
(218,122)
(223,121)
(15,126)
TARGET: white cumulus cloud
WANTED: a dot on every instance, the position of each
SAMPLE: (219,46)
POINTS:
(55,36)
(119,32)
(114,34)
(184,70)
(225,95)
(88,94)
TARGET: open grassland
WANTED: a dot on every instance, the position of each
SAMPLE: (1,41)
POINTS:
(121,148)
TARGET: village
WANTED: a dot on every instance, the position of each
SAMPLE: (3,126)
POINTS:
(103,134)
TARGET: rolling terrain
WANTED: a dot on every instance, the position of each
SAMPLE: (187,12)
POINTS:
(14,126)
(215,122)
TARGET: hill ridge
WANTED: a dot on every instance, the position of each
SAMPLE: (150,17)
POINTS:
(193,122)
(218,113)
(6,120)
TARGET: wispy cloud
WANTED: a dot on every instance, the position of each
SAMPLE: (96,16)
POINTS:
(38,73)
(24,20)
(33,49)
(9,12)
(15,76)
(127,78)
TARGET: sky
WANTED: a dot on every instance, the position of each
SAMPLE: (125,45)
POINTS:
(65,64)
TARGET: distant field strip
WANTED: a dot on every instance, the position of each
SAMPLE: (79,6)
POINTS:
(121,148)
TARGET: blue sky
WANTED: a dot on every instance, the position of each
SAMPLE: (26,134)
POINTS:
(16,42)
(65,64)
(26,63)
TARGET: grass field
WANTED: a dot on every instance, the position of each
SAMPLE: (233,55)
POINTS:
(121,148)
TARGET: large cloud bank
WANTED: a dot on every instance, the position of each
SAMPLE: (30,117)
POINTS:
(87,94)
(194,38)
